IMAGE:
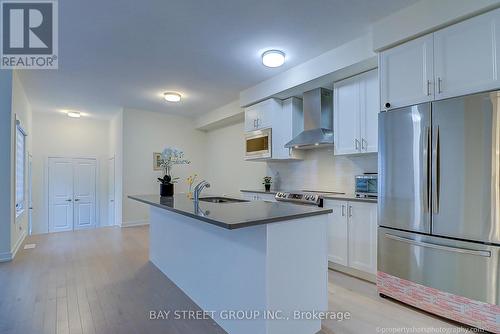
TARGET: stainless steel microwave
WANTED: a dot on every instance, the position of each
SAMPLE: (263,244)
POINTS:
(258,144)
(366,185)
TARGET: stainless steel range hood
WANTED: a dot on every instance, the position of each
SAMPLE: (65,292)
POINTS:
(318,120)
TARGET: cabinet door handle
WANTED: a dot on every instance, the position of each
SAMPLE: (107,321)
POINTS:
(350,211)
(439,85)
(342,212)
(254,123)
(356,144)
(364,144)
(428,87)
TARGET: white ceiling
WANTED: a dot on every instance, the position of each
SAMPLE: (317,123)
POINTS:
(125,53)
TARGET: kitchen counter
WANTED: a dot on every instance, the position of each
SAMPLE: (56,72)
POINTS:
(262,268)
(342,197)
(232,215)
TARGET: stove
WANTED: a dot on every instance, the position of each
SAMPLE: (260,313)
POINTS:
(308,197)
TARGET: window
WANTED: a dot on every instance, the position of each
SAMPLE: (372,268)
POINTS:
(20,168)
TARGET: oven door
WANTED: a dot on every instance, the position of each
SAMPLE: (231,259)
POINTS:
(258,144)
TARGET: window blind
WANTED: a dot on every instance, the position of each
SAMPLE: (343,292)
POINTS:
(20,168)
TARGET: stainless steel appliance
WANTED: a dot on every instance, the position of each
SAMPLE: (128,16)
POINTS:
(258,144)
(318,120)
(308,197)
(366,185)
(299,198)
(439,195)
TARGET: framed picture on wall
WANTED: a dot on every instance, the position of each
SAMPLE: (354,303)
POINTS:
(156,161)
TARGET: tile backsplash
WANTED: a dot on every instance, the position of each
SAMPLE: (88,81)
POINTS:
(321,170)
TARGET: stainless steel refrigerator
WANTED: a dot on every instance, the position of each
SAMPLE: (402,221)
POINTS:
(439,195)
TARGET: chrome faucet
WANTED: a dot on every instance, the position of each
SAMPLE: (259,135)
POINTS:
(199,188)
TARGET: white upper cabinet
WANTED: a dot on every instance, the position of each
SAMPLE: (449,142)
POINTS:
(346,130)
(356,105)
(285,119)
(406,74)
(466,56)
(259,116)
(369,112)
(457,60)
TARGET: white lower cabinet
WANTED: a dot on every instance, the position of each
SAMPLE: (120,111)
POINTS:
(337,232)
(352,235)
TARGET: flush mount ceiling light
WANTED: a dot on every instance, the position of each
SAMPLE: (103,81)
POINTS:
(273,58)
(172,96)
(74,114)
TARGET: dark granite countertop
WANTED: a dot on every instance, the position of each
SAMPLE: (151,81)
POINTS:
(232,215)
(344,197)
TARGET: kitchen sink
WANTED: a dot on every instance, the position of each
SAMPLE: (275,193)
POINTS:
(222,200)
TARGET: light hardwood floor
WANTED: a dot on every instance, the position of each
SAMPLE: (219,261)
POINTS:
(100,281)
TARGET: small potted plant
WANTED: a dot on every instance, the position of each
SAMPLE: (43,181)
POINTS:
(267,182)
(170,157)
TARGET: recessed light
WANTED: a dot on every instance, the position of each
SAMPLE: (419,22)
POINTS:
(172,97)
(273,58)
(74,114)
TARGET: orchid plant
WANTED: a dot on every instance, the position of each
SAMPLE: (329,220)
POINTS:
(170,157)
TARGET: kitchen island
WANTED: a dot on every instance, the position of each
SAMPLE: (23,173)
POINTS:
(254,267)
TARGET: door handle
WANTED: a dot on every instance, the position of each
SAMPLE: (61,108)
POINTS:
(428,87)
(435,170)
(342,212)
(69,200)
(356,144)
(426,161)
(76,200)
(364,144)
(439,247)
(350,210)
(439,85)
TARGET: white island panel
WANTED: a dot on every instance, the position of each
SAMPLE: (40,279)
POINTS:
(280,266)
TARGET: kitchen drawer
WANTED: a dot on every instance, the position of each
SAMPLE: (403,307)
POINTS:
(463,268)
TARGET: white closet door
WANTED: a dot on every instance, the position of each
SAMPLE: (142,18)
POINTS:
(60,194)
(85,193)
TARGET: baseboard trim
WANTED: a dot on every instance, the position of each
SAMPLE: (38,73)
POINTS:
(353,272)
(18,244)
(9,256)
(134,223)
(5,257)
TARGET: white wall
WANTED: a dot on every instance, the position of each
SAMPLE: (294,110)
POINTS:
(56,135)
(21,110)
(116,151)
(321,170)
(147,132)
(6,199)
(227,170)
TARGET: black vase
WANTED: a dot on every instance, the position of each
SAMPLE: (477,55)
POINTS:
(166,189)
(267,186)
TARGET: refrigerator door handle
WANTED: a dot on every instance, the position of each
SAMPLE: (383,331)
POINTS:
(435,170)
(426,161)
(439,247)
